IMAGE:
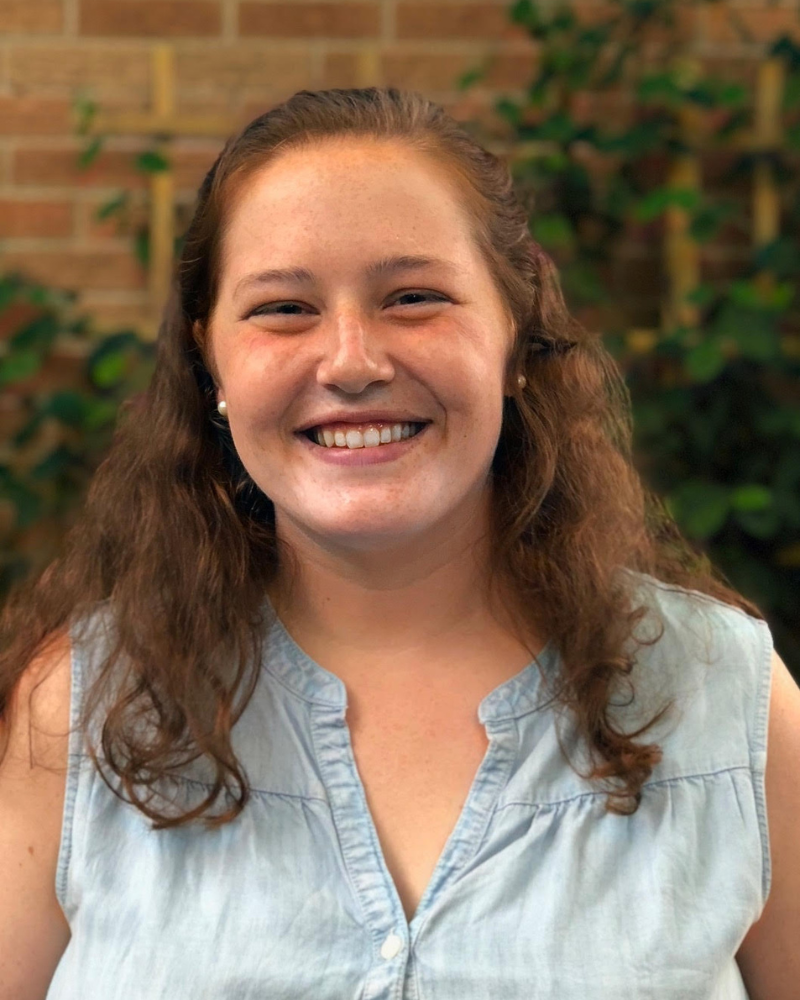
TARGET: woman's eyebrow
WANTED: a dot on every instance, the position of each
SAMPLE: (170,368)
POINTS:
(386,265)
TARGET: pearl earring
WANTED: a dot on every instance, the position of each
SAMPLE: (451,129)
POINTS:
(222,406)
(521,381)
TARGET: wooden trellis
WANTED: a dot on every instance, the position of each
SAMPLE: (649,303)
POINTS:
(681,254)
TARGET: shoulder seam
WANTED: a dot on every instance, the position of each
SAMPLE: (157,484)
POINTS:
(678,589)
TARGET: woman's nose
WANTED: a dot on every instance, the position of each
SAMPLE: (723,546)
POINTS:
(354,356)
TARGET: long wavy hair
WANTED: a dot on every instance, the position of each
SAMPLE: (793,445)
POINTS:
(178,543)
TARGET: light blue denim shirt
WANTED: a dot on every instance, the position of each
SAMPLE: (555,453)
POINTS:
(539,894)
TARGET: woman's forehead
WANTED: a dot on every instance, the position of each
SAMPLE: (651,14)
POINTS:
(320,218)
(356,187)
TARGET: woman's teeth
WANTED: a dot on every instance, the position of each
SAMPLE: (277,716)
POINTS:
(370,438)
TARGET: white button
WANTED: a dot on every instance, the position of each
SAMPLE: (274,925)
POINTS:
(391,946)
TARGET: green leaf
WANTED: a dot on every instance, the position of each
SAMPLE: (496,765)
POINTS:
(67,406)
(152,162)
(27,431)
(553,230)
(470,78)
(108,370)
(99,413)
(751,497)
(658,201)
(702,295)
(89,155)
(760,523)
(20,366)
(27,504)
(582,284)
(8,293)
(658,86)
(53,464)
(791,91)
(39,333)
(705,361)
(113,206)
(708,218)
(751,295)
(522,12)
(700,507)
(85,109)
(752,331)
(509,110)
(791,136)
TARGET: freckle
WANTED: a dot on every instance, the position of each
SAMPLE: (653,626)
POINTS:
(30,850)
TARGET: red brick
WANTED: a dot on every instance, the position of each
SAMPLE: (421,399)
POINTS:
(452,21)
(304,19)
(160,18)
(729,25)
(60,167)
(425,71)
(231,70)
(340,69)
(35,116)
(75,268)
(602,106)
(35,218)
(64,68)
(41,17)
(437,71)
(592,11)
(111,316)
(112,168)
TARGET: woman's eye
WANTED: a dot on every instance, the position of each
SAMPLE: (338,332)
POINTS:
(422,295)
(280,308)
(262,310)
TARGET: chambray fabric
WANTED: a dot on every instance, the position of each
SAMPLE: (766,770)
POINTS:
(539,894)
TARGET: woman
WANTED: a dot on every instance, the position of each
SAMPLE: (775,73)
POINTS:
(365,621)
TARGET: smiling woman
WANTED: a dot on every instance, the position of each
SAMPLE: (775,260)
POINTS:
(370,563)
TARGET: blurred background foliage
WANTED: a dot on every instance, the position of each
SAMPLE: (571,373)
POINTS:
(716,402)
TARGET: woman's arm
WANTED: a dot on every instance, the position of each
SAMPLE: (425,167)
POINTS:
(33,930)
(769,957)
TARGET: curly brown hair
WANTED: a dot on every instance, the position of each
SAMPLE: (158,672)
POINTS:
(178,543)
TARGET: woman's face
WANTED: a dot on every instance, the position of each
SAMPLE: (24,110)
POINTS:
(358,334)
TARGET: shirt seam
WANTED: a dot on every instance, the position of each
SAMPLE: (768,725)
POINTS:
(675,588)
(758,749)
(647,784)
(297,694)
(82,755)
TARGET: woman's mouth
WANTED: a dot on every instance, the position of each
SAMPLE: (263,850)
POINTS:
(362,444)
(353,436)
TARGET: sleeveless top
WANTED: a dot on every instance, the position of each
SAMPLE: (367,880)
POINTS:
(539,893)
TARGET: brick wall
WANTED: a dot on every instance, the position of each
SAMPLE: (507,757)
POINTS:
(239,57)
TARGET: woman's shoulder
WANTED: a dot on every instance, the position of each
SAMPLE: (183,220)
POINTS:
(713,661)
(36,727)
(685,624)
